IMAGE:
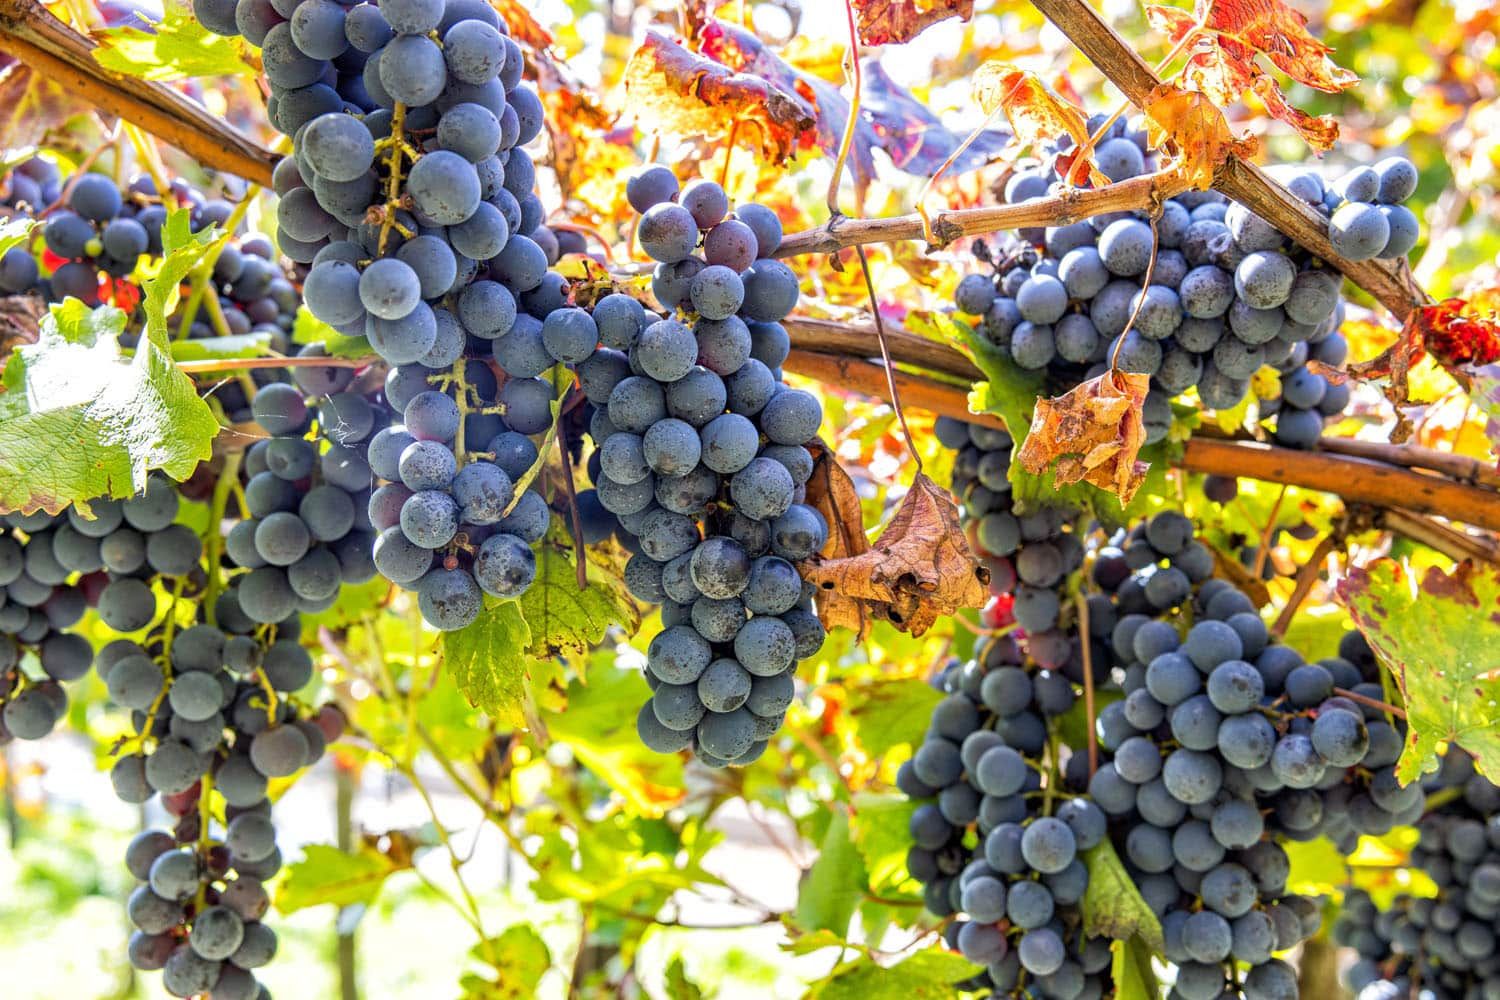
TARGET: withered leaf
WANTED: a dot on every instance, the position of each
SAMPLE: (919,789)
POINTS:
(1455,332)
(1094,432)
(882,22)
(831,492)
(1192,129)
(1230,34)
(20,318)
(523,27)
(684,92)
(920,568)
(1035,113)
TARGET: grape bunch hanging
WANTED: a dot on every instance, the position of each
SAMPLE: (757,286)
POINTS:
(701,453)
(1202,299)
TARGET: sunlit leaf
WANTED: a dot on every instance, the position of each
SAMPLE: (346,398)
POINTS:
(486,660)
(1112,905)
(514,960)
(836,883)
(177,47)
(328,875)
(78,419)
(1436,637)
(932,974)
(882,22)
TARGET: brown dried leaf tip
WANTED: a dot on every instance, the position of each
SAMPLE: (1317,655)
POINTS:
(919,569)
(1094,432)
(882,22)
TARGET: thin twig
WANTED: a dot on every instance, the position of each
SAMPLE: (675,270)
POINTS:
(854,74)
(885,355)
(1366,700)
(1265,535)
(212,365)
(1085,641)
(1306,577)
(580,551)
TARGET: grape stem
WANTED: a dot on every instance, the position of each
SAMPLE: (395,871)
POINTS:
(580,551)
(229,474)
(1367,701)
(1306,577)
(1265,535)
(1088,680)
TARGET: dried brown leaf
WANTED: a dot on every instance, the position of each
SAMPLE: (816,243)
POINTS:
(683,92)
(920,568)
(1231,34)
(1093,432)
(882,22)
(1035,113)
(1192,129)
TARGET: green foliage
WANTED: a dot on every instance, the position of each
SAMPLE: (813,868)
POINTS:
(564,619)
(513,963)
(308,329)
(78,419)
(1131,968)
(599,724)
(837,882)
(678,985)
(485,661)
(1112,905)
(176,48)
(242,345)
(15,231)
(891,712)
(328,875)
(1437,640)
(927,975)
(880,827)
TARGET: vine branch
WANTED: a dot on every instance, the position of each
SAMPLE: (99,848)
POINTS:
(33,35)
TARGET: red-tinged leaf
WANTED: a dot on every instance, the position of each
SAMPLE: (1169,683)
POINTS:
(681,91)
(1279,33)
(1456,332)
(1094,432)
(890,119)
(1320,131)
(1222,61)
(882,22)
(1437,637)
(916,139)
(1463,331)
(32,105)
(523,27)
(1192,129)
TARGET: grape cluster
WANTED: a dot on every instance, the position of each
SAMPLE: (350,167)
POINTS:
(454,532)
(99,229)
(1030,555)
(701,454)
(411,200)
(1227,296)
(308,531)
(44,596)
(1217,747)
(997,835)
(1442,947)
(211,710)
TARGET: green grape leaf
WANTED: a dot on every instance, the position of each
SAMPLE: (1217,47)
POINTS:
(565,619)
(1318,867)
(599,724)
(1132,972)
(328,875)
(835,884)
(182,250)
(1437,638)
(676,983)
(485,660)
(891,712)
(514,961)
(308,329)
(15,231)
(176,48)
(881,831)
(1112,905)
(928,975)
(79,420)
(241,345)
